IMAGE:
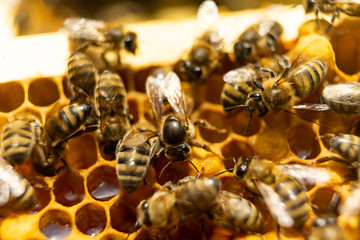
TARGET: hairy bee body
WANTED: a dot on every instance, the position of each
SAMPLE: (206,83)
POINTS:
(326,229)
(347,145)
(237,213)
(351,7)
(263,173)
(15,190)
(133,155)
(235,94)
(111,106)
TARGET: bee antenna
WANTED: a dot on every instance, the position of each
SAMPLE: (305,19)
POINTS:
(247,126)
(133,229)
(162,170)
(258,85)
(235,106)
(227,170)
(194,166)
(127,204)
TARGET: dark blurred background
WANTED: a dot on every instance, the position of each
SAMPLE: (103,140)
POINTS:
(39,16)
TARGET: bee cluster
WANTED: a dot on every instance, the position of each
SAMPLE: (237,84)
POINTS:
(180,158)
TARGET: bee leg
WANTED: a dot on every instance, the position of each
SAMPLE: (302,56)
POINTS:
(260,68)
(317,10)
(248,124)
(81,131)
(205,124)
(271,42)
(330,24)
(205,147)
(84,47)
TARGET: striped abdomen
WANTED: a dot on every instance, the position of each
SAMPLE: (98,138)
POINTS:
(348,146)
(235,94)
(82,73)
(295,200)
(17,141)
(66,121)
(237,213)
(132,164)
(307,77)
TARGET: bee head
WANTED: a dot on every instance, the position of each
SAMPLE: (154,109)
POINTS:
(115,33)
(242,50)
(173,131)
(241,167)
(130,42)
(143,212)
(255,104)
(179,152)
(309,5)
(191,71)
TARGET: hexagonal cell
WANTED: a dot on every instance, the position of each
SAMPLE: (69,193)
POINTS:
(140,78)
(12,95)
(82,152)
(217,119)
(55,224)
(236,148)
(66,87)
(239,121)
(102,183)
(107,151)
(69,189)
(91,219)
(122,216)
(324,201)
(42,192)
(214,87)
(302,141)
(134,110)
(43,92)
(112,236)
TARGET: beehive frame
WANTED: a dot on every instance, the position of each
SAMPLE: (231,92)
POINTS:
(33,64)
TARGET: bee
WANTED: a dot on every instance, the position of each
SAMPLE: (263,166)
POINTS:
(237,213)
(111,106)
(334,7)
(190,200)
(133,155)
(326,228)
(282,193)
(176,132)
(60,126)
(18,138)
(283,91)
(348,146)
(15,190)
(203,58)
(239,82)
(258,40)
(111,37)
(82,77)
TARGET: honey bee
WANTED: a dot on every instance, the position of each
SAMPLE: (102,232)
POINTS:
(190,200)
(282,193)
(258,40)
(326,228)
(82,77)
(203,58)
(111,106)
(98,33)
(15,190)
(348,146)
(176,132)
(334,7)
(133,155)
(18,138)
(60,126)
(237,213)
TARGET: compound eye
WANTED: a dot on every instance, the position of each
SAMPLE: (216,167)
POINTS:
(145,205)
(241,171)
(174,131)
(130,42)
(197,71)
(256,96)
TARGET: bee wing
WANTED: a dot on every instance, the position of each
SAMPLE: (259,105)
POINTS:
(344,93)
(4,192)
(351,206)
(84,28)
(306,174)
(275,206)
(174,94)
(207,16)
(154,91)
(353,2)
(240,75)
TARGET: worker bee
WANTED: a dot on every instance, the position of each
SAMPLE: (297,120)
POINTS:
(18,138)
(334,7)
(189,200)
(203,58)
(258,40)
(326,228)
(282,193)
(60,126)
(176,132)
(15,190)
(283,91)
(348,146)
(82,77)
(98,33)
(133,155)
(237,213)
(112,107)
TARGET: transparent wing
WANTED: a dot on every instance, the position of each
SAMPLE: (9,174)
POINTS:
(239,75)
(154,85)
(351,206)
(344,93)
(207,16)
(84,29)
(174,94)
(275,206)
(306,174)
(4,192)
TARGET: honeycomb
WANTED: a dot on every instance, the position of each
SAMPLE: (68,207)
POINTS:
(84,203)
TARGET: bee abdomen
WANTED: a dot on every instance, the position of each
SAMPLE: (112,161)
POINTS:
(17,141)
(234,94)
(308,77)
(347,146)
(25,200)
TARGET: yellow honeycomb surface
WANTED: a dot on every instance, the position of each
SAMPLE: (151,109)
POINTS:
(84,202)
